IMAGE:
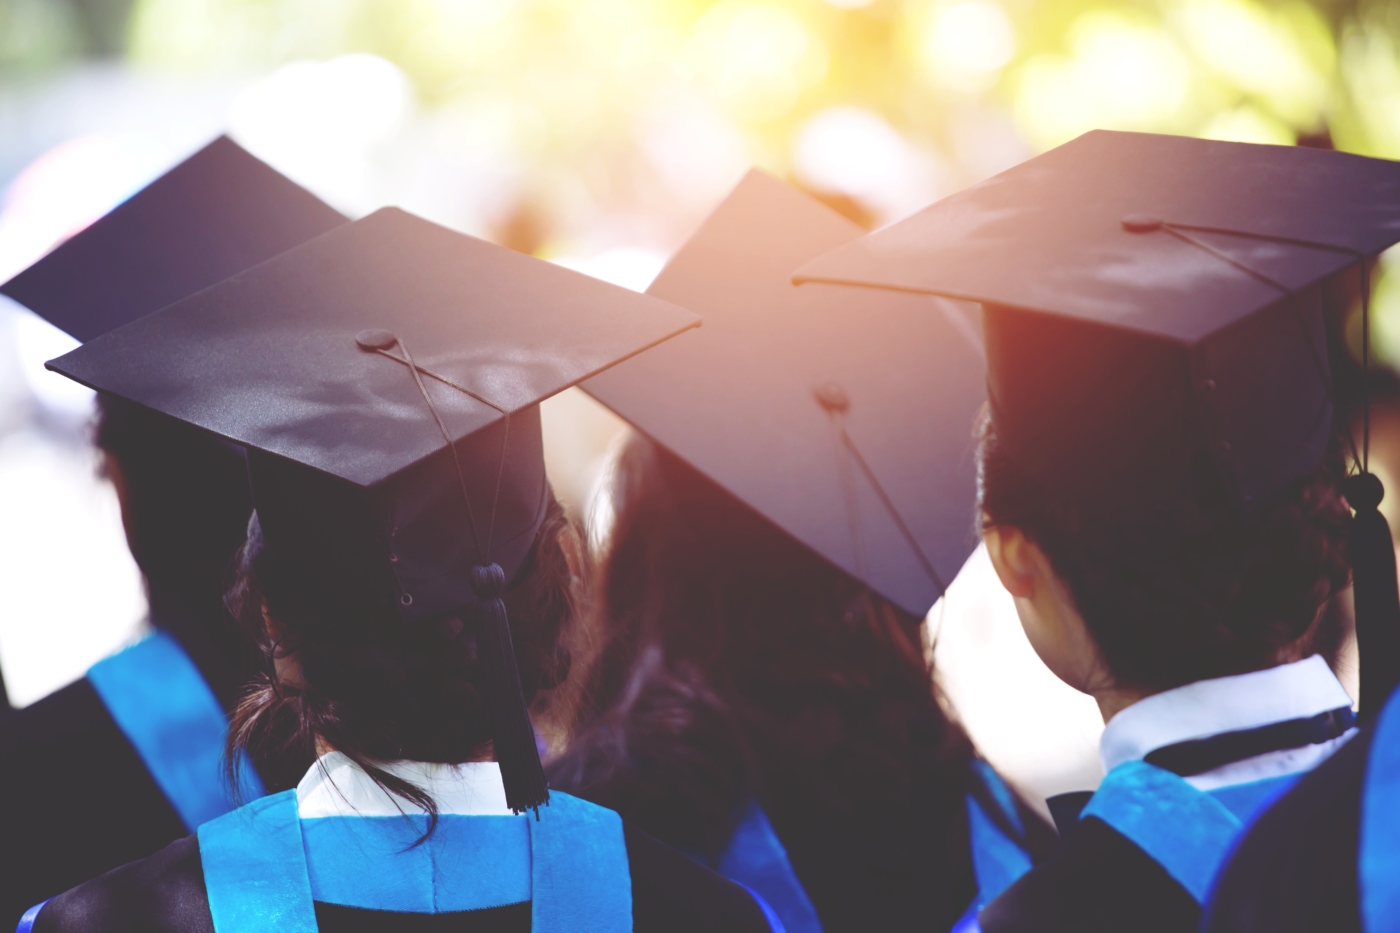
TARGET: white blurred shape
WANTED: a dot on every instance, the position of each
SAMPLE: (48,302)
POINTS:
(697,152)
(581,436)
(968,41)
(1249,125)
(36,342)
(63,191)
(318,122)
(75,594)
(1040,733)
(627,266)
(856,152)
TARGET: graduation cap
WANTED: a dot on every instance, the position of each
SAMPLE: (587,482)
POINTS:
(216,213)
(1154,308)
(843,418)
(385,380)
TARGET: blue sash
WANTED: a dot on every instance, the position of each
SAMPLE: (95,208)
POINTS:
(756,859)
(1189,832)
(997,860)
(1378,864)
(162,705)
(257,878)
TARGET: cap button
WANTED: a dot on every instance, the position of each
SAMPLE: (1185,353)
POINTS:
(1142,223)
(832,397)
(375,340)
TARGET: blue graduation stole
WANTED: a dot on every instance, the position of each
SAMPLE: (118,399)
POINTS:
(1378,861)
(162,705)
(571,864)
(997,860)
(1189,832)
(756,859)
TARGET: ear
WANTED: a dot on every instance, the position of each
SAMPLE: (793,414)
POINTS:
(1014,559)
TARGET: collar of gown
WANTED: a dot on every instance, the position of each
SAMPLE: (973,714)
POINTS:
(336,786)
(1222,704)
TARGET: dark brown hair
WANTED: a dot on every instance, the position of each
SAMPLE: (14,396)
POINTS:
(730,663)
(186,499)
(1201,589)
(377,690)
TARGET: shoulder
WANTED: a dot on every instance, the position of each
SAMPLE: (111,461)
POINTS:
(74,709)
(160,894)
(675,894)
(1296,868)
(1097,881)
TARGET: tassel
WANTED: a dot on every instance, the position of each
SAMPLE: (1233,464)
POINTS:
(1375,591)
(512,733)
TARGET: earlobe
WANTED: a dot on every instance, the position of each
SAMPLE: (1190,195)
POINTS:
(1009,552)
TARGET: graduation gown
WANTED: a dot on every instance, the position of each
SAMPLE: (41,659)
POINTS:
(1324,858)
(1143,853)
(360,876)
(993,826)
(77,798)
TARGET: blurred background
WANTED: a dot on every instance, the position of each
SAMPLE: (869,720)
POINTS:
(597,133)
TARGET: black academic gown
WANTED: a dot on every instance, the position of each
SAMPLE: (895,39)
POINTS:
(165,894)
(1295,870)
(864,866)
(1097,882)
(888,871)
(75,798)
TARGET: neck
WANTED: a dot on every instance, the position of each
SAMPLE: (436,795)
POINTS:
(1114,699)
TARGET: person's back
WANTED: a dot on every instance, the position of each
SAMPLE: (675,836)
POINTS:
(739,669)
(407,586)
(369,866)
(1161,481)
(154,713)
(795,501)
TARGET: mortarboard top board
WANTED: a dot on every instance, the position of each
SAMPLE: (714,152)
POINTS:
(216,213)
(269,358)
(344,366)
(738,398)
(1151,301)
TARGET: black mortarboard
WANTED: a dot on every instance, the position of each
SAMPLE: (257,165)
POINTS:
(817,407)
(1153,310)
(216,213)
(344,366)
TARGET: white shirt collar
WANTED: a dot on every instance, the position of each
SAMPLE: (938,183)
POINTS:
(336,786)
(1298,690)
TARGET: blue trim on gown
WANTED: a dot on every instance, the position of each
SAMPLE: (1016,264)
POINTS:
(1189,832)
(160,702)
(26,922)
(1378,861)
(997,860)
(757,859)
(264,867)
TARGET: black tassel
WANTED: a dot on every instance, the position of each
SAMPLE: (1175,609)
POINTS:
(1375,591)
(512,733)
